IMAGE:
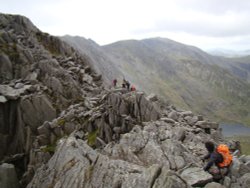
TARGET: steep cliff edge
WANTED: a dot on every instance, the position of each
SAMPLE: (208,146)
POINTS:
(40,76)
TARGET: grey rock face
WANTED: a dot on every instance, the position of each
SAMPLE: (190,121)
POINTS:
(8,176)
(136,105)
(196,176)
(245,180)
(5,68)
(37,82)
(40,108)
(152,97)
(169,179)
(173,115)
(3,99)
(168,120)
(140,159)
(214,185)
(13,94)
(19,119)
(127,152)
(83,167)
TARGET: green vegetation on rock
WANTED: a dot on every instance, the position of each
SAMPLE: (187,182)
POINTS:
(61,122)
(92,137)
(51,148)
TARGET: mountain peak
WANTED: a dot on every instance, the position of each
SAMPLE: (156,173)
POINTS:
(17,22)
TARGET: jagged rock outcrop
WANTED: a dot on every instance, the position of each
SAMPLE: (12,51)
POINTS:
(39,77)
(151,153)
(103,119)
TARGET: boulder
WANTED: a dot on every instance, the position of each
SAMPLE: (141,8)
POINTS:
(33,76)
(187,113)
(97,77)
(44,129)
(133,104)
(40,108)
(3,99)
(146,178)
(179,134)
(235,167)
(43,139)
(11,93)
(152,97)
(169,179)
(200,118)
(214,185)
(173,115)
(54,84)
(207,125)
(69,127)
(19,85)
(180,162)
(191,120)
(245,158)
(245,180)
(167,120)
(227,181)
(196,176)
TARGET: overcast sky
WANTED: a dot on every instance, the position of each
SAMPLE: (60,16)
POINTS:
(206,24)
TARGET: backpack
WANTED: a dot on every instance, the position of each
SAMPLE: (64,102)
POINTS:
(227,157)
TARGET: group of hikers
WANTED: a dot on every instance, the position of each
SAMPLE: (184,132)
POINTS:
(125,84)
(219,160)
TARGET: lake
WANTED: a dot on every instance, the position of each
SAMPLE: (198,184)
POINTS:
(229,130)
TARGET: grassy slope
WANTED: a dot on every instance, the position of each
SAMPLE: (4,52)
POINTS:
(183,80)
(244,142)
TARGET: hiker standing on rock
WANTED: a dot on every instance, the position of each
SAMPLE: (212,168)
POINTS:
(124,83)
(128,85)
(133,88)
(114,82)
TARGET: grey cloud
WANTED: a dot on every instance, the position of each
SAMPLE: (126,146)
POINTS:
(212,29)
(222,18)
(199,28)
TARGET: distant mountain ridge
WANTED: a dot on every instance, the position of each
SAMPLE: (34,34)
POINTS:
(229,53)
(184,75)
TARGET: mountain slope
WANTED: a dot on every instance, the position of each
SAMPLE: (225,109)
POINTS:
(185,75)
(241,67)
(102,63)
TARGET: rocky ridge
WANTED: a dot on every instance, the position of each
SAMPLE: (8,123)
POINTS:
(39,77)
(128,140)
(60,128)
